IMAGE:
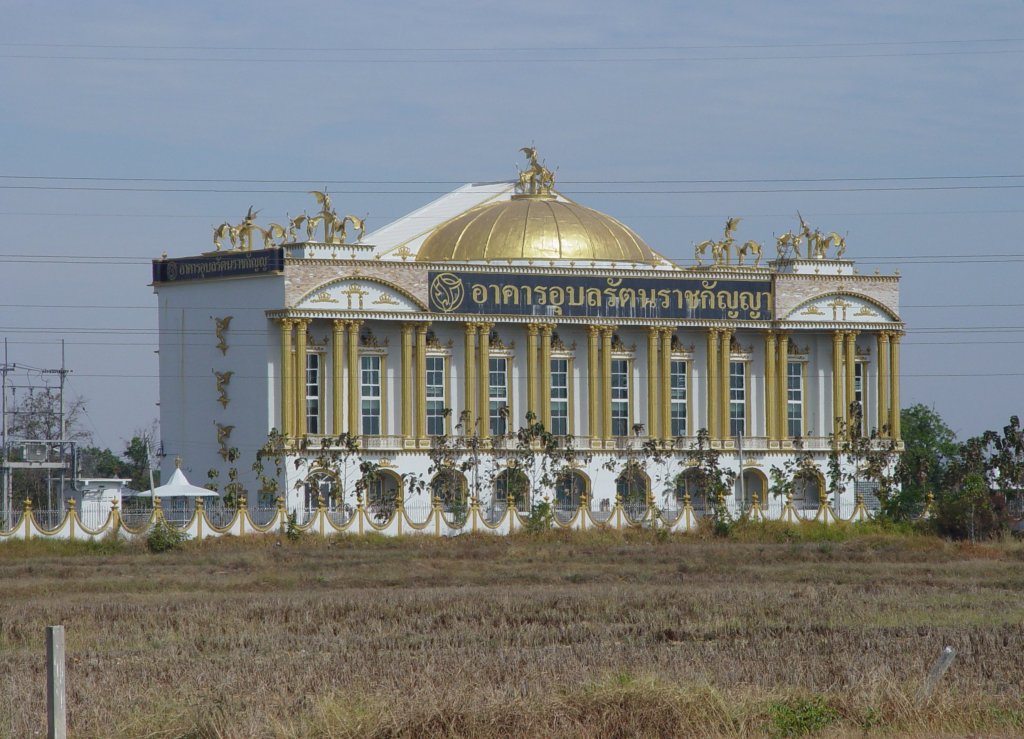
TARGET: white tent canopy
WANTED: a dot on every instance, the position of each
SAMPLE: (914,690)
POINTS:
(177,487)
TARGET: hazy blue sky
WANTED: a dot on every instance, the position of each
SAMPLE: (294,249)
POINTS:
(899,124)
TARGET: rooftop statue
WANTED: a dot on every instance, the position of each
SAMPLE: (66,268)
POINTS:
(817,242)
(538,179)
(242,234)
(334,227)
(721,251)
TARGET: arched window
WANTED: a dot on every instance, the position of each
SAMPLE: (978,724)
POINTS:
(569,488)
(320,482)
(807,491)
(632,484)
(688,483)
(753,482)
(450,487)
(512,482)
(382,494)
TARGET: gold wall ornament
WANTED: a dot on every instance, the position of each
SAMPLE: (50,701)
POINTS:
(223,434)
(385,299)
(324,297)
(538,180)
(221,327)
(837,305)
(354,291)
(223,379)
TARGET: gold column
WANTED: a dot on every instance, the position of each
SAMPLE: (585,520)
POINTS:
(724,348)
(666,384)
(469,388)
(652,383)
(894,406)
(300,376)
(884,424)
(421,381)
(851,389)
(606,385)
(354,379)
(287,370)
(837,382)
(545,375)
(593,366)
(531,369)
(337,377)
(484,381)
(408,402)
(713,366)
(771,410)
(782,386)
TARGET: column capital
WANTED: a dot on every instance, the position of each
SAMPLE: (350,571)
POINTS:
(421,328)
(546,329)
(285,321)
(532,328)
(338,324)
(471,327)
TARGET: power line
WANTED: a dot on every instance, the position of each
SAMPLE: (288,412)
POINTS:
(508,60)
(706,191)
(644,47)
(227,306)
(461,182)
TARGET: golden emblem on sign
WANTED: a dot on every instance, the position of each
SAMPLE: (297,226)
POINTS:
(447,292)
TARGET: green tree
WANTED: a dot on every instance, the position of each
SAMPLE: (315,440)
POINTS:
(96,462)
(703,467)
(929,446)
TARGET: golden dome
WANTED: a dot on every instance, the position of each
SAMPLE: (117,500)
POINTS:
(538,228)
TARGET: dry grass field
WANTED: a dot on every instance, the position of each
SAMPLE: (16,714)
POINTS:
(586,635)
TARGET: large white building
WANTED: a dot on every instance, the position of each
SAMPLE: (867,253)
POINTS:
(511,296)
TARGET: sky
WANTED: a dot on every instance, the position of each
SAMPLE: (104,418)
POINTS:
(130,129)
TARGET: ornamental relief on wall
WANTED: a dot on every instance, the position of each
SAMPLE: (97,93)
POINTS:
(840,308)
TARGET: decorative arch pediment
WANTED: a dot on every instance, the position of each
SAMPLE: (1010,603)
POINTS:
(360,293)
(847,307)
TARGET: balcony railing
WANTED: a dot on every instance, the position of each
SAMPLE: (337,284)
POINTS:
(758,444)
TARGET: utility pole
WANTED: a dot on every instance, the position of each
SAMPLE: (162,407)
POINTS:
(5,471)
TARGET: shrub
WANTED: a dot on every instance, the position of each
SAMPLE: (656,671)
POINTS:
(163,537)
(801,716)
(540,518)
(292,530)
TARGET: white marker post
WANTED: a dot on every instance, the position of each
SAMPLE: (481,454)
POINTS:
(56,705)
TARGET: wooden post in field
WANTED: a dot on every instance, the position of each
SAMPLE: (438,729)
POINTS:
(56,705)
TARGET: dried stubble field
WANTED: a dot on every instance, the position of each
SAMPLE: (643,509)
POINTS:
(586,635)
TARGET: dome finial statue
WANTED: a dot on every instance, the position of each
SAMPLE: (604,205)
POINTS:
(538,180)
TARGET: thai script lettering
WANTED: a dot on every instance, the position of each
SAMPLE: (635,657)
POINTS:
(665,297)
